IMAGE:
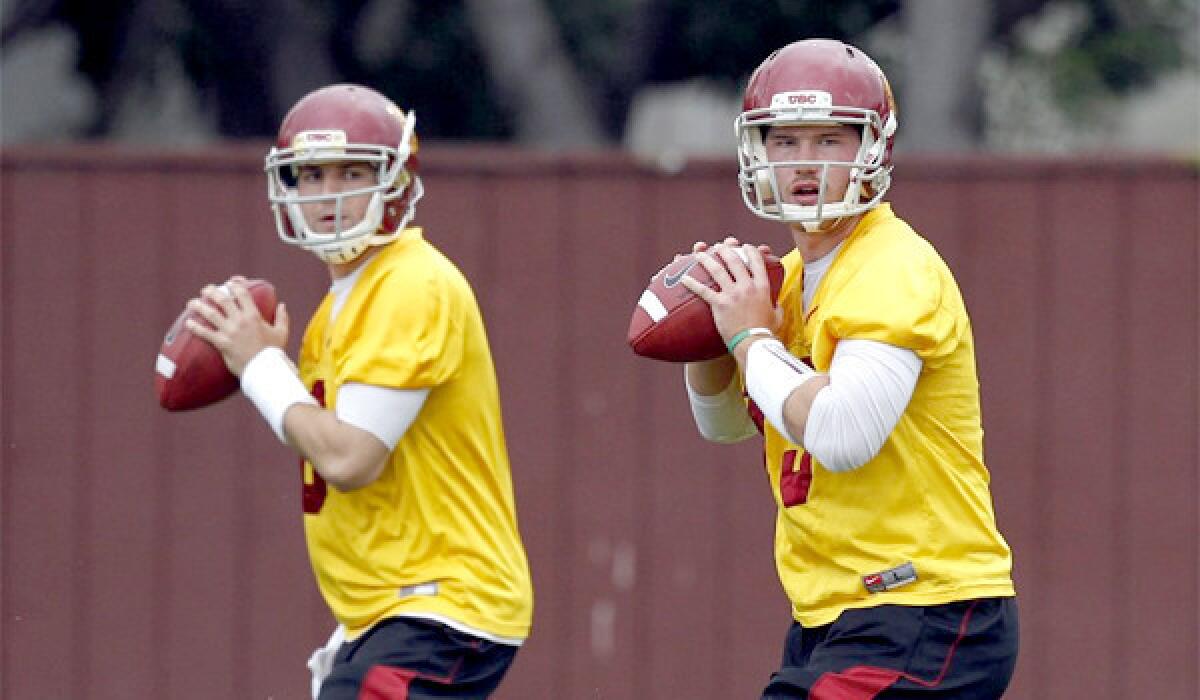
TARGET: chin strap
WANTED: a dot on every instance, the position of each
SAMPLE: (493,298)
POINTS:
(824,225)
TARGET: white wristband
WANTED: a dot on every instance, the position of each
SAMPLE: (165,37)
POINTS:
(269,380)
(772,374)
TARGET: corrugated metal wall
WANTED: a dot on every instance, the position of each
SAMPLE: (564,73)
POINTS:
(149,555)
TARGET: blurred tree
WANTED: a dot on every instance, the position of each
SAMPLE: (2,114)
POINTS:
(227,50)
(1117,47)
(938,91)
(612,44)
(426,58)
(622,45)
(566,71)
(535,80)
(105,53)
(1067,64)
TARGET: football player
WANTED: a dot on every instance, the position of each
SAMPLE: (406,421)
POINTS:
(407,495)
(864,386)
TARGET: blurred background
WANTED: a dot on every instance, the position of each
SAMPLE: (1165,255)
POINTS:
(1049,149)
(995,75)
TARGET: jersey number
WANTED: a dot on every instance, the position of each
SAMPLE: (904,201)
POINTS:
(795,481)
(313,495)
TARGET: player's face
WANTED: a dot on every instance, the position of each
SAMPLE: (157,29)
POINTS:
(330,179)
(800,184)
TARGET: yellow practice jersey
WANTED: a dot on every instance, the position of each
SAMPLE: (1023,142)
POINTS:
(915,525)
(436,534)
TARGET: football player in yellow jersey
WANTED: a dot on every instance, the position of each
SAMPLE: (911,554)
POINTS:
(886,542)
(407,494)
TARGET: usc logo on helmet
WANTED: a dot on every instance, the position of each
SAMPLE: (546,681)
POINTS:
(330,139)
(801,99)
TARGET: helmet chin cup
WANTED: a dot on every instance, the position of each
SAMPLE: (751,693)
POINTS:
(822,226)
(340,253)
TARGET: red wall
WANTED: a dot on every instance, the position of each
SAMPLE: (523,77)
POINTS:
(155,555)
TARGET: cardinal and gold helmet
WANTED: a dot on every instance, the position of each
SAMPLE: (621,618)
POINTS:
(811,83)
(349,123)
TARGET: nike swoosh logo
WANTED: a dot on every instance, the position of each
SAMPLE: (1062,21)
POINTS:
(672,280)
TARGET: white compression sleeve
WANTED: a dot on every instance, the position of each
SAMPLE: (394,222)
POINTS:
(772,374)
(383,412)
(721,417)
(870,385)
(270,381)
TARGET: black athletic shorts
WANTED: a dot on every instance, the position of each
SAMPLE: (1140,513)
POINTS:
(406,658)
(965,650)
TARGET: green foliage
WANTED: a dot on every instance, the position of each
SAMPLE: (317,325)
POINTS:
(726,39)
(1119,49)
(619,45)
(439,66)
(1119,46)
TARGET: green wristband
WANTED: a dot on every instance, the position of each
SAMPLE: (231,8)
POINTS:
(743,334)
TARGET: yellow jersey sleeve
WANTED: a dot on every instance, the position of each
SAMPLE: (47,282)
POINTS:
(410,341)
(891,287)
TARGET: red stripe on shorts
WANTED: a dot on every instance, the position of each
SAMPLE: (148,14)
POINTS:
(865,682)
(854,683)
(386,683)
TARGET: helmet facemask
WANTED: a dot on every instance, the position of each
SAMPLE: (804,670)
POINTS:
(394,187)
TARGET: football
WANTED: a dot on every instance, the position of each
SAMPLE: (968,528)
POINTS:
(671,323)
(189,372)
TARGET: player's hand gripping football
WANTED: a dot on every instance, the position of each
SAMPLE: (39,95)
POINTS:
(238,330)
(744,300)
